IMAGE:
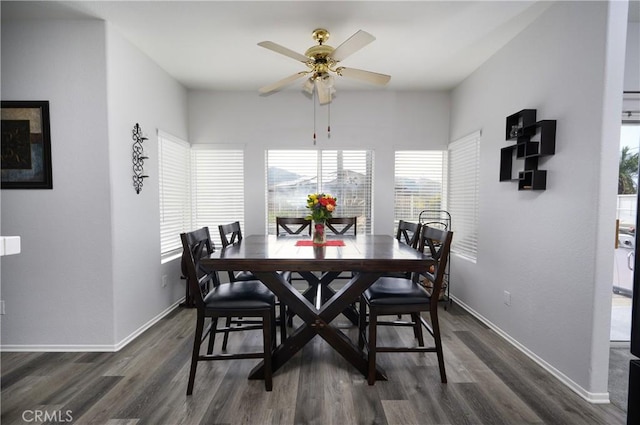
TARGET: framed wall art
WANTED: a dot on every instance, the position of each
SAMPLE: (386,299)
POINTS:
(26,145)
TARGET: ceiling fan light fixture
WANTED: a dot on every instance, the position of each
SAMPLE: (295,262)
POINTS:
(322,60)
(328,81)
(308,85)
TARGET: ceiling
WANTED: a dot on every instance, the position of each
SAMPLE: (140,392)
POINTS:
(423,45)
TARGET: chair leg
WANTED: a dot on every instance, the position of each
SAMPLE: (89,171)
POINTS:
(197,338)
(417,328)
(226,334)
(290,318)
(212,334)
(362,323)
(436,336)
(267,332)
(283,322)
(373,324)
(274,324)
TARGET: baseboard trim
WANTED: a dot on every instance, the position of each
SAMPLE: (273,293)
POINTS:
(91,348)
(594,398)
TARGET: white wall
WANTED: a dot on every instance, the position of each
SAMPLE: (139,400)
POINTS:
(89,276)
(382,121)
(139,92)
(58,291)
(632,63)
(551,250)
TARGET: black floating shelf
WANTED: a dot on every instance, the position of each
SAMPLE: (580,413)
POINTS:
(533,141)
(506,163)
(517,122)
(532,180)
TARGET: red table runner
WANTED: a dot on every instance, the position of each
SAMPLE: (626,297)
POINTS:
(307,242)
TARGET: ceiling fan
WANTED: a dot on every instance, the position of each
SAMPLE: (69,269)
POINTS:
(322,61)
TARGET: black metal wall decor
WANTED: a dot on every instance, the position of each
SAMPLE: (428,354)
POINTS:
(138,158)
(534,140)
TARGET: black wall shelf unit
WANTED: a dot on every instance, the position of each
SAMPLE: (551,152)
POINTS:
(533,140)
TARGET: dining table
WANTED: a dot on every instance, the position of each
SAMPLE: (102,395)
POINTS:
(364,257)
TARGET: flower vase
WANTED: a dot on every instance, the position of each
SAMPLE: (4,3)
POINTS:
(319,235)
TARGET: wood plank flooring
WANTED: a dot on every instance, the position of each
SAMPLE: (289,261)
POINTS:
(490,382)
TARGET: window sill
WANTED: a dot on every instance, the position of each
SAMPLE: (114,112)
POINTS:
(166,258)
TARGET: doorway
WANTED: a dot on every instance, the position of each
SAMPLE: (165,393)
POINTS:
(626,217)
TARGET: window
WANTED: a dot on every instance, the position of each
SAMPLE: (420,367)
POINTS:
(175,197)
(217,187)
(294,174)
(464,170)
(420,181)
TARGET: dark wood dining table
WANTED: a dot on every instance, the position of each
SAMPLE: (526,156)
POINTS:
(367,257)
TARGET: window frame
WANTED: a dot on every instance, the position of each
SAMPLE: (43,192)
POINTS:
(173,199)
(414,162)
(207,195)
(464,194)
(325,166)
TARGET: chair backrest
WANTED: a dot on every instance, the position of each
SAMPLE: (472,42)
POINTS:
(408,233)
(230,233)
(195,246)
(342,225)
(437,244)
(292,225)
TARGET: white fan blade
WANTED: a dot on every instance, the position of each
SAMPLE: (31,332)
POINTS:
(356,42)
(279,84)
(324,93)
(368,76)
(283,51)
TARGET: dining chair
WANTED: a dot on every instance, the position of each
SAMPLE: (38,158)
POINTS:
(245,298)
(292,226)
(342,225)
(396,296)
(229,234)
(207,248)
(232,233)
(409,234)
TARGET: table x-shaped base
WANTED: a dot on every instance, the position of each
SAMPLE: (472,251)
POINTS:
(318,321)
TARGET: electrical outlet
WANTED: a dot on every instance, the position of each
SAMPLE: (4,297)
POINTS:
(165,280)
(507,298)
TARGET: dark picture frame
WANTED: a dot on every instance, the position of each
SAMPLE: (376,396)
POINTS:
(25,145)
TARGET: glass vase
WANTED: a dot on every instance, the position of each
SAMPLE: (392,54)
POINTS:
(319,234)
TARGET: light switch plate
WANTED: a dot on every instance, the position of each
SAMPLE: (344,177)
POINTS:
(9,245)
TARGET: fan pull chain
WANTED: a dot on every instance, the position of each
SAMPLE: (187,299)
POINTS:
(329,123)
(313,98)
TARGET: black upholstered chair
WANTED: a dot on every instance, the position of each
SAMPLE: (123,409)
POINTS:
(292,226)
(397,296)
(407,233)
(207,248)
(343,225)
(229,234)
(236,299)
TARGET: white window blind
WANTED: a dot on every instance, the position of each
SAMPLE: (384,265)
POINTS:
(463,194)
(217,187)
(175,195)
(420,183)
(293,174)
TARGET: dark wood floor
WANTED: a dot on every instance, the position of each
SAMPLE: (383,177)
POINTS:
(490,382)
